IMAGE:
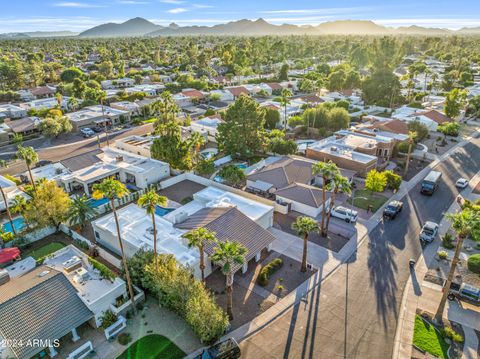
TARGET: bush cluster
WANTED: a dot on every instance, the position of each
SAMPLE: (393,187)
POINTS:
(268,270)
(105,272)
(473,263)
(448,332)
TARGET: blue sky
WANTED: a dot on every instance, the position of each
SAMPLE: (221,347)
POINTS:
(77,15)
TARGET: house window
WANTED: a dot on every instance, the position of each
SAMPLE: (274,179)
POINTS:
(97,235)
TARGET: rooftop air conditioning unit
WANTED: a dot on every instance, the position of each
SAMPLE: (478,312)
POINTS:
(180,217)
(333,149)
(81,275)
(119,158)
(72,264)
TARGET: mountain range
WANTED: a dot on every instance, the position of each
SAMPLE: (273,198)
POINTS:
(141,27)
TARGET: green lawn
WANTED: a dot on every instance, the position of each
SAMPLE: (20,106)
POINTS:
(364,197)
(44,251)
(427,338)
(152,346)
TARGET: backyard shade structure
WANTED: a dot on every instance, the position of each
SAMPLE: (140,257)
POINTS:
(9,254)
(41,304)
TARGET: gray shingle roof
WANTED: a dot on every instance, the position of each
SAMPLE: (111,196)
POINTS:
(39,307)
(284,172)
(301,193)
(230,224)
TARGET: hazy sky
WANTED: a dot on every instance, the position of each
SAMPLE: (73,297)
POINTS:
(77,15)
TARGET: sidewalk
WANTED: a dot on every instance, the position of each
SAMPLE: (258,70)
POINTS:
(327,265)
(427,295)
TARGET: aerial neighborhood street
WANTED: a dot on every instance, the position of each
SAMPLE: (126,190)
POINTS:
(299,181)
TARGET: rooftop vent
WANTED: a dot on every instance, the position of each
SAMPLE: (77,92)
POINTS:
(333,149)
(119,158)
(43,274)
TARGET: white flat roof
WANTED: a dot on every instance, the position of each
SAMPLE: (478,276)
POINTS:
(137,229)
(91,289)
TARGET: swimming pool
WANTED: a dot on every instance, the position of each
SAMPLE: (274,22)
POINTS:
(162,211)
(18,222)
(97,202)
(241,165)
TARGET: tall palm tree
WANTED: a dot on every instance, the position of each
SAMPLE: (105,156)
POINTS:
(286,94)
(81,211)
(462,223)
(327,170)
(412,135)
(196,140)
(228,254)
(198,238)
(111,188)
(30,157)
(338,184)
(4,164)
(149,201)
(304,226)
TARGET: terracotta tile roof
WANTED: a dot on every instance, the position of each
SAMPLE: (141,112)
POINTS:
(274,85)
(193,94)
(436,116)
(312,99)
(41,91)
(237,91)
(395,126)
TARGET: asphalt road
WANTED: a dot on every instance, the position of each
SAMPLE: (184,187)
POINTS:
(78,147)
(353,314)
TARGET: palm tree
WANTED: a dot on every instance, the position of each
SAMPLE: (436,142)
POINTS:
(101,97)
(338,184)
(72,103)
(149,201)
(286,93)
(228,254)
(327,170)
(81,211)
(304,225)
(198,238)
(462,223)
(412,135)
(4,164)
(111,188)
(30,157)
(196,140)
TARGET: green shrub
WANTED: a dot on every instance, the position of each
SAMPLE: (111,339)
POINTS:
(448,332)
(394,181)
(447,241)
(442,255)
(205,167)
(268,270)
(124,338)
(105,272)
(473,263)
(7,237)
(107,319)
(13,179)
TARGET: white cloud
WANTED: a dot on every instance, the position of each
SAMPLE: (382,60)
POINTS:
(176,2)
(322,11)
(133,2)
(76,4)
(177,10)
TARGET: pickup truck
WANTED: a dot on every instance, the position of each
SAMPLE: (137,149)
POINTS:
(392,209)
(465,292)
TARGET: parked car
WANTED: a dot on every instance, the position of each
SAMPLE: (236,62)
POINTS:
(87,132)
(429,232)
(98,129)
(465,292)
(461,183)
(347,214)
(228,349)
(392,209)
(430,183)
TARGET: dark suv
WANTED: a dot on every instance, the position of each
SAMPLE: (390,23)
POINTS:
(228,349)
(392,209)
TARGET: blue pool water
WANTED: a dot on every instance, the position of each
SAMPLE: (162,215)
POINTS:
(162,211)
(18,222)
(242,165)
(97,202)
